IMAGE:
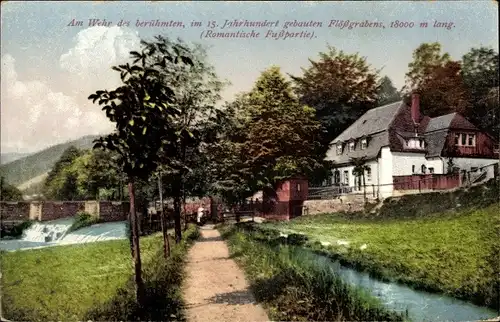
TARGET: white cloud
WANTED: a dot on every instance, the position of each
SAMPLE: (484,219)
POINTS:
(35,115)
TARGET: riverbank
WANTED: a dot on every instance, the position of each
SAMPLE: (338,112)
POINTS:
(456,252)
(92,281)
(293,287)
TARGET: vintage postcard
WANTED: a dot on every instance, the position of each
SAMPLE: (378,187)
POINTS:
(249,161)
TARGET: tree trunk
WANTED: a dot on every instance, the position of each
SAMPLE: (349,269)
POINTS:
(177,217)
(166,243)
(136,253)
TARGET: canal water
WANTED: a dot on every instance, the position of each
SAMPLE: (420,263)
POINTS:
(420,305)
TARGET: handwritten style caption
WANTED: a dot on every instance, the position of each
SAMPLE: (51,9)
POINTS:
(263,29)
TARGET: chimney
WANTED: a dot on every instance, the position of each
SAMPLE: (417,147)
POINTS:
(415,108)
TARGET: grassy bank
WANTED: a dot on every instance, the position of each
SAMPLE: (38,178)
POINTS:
(92,281)
(457,252)
(294,287)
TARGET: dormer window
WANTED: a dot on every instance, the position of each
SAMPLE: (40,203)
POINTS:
(351,146)
(415,144)
(339,148)
(363,144)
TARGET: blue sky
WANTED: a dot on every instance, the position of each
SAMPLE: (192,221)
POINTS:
(48,68)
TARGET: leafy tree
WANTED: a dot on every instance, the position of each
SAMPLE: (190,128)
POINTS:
(68,156)
(279,133)
(444,91)
(197,89)
(481,74)
(387,93)
(360,168)
(9,192)
(438,80)
(340,87)
(104,173)
(426,58)
(142,112)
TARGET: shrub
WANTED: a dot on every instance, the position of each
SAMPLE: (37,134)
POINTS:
(83,219)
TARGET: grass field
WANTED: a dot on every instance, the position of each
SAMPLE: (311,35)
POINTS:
(456,253)
(78,282)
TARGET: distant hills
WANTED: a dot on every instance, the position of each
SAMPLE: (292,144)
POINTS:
(9,157)
(35,166)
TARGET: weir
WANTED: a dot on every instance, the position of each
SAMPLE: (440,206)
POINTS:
(53,233)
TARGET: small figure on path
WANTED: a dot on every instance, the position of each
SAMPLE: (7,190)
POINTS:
(201,211)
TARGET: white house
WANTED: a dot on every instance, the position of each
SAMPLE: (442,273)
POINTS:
(396,140)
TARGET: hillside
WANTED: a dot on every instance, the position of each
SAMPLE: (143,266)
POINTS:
(9,157)
(21,171)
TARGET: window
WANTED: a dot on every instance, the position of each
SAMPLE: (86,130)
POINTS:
(431,170)
(346,177)
(471,140)
(369,174)
(464,139)
(422,144)
(423,168)
(363,144)
(339,149)
(351,146)
(336,177)
(413,169)
(298,187)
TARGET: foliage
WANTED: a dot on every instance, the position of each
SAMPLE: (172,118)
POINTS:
(91,282)
(340,87)
(283,276)
(480,72)
(59,184)
(270,137)
(83,219)
(451,252)
(426,58)
(22,170)
(444,91)
(387,93)
(9,192)
(17,230)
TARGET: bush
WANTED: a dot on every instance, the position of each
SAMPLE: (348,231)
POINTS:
(17,230)
(83,219)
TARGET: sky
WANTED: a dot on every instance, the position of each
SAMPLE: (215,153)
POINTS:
(50,64)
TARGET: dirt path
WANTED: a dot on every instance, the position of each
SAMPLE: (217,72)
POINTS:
(215,287)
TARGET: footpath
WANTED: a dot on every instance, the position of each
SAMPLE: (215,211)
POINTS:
(215,288)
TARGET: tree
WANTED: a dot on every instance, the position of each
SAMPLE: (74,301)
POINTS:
(55,178)
(142,111)
(387,93)
(426,58)
(481,76)
(279,133)
(360,167)
(438,80)
(9,192)
(197,89)
(340,87)
(444,91)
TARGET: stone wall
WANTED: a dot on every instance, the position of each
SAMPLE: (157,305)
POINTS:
(51,210)
(113,211)
(61,209)
(15,211)
(344,203)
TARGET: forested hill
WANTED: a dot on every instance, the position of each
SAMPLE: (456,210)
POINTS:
(24,169)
